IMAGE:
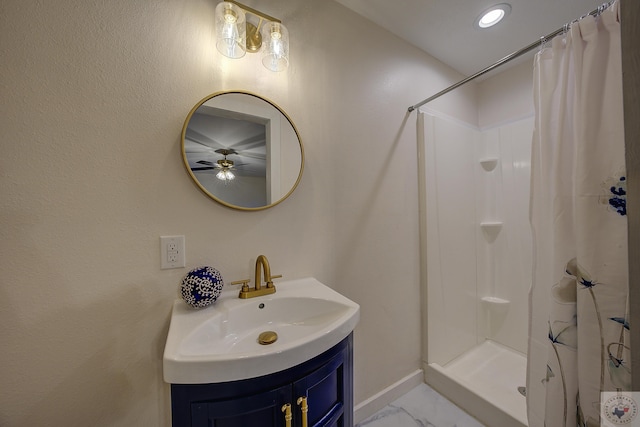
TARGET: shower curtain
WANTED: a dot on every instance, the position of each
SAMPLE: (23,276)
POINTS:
(578,333)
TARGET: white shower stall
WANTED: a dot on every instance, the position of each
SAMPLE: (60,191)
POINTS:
(476,256)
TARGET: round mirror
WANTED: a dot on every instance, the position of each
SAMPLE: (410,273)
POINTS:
(242,150)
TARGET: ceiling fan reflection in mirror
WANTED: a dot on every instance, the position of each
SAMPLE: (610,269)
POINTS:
(248,136)
(224,165)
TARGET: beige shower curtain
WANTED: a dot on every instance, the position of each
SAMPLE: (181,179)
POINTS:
(578,340)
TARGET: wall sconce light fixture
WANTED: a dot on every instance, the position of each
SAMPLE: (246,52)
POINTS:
(236,35)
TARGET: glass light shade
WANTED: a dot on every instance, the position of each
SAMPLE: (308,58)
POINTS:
(231,30)
(225,175)
(275,40)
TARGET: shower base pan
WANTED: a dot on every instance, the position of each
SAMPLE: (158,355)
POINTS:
(484,381)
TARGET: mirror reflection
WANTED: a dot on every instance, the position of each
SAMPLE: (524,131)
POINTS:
(242,150)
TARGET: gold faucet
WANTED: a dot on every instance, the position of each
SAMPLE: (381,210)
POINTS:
(261,264)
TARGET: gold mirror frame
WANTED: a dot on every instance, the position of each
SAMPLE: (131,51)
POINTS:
(207,191)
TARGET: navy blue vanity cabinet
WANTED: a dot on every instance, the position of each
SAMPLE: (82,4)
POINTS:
(326,381)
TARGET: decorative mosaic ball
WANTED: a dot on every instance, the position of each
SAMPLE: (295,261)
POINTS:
(201,286)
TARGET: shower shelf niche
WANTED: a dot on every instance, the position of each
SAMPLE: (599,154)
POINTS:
(491,229)
(489,163)
(495,301)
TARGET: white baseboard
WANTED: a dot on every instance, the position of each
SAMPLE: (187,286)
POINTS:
(381,399)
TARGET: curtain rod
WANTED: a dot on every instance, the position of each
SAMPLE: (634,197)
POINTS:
(511,56)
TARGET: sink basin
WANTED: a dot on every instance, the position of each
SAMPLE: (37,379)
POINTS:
(220,342)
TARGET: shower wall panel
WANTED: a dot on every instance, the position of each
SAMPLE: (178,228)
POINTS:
(465,261)
(448,153)
(505,257)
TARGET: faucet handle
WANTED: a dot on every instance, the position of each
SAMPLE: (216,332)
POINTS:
(270,280)
(245,286)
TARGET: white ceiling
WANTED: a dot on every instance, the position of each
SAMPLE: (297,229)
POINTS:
(445,30)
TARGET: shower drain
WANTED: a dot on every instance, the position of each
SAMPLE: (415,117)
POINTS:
(522,390)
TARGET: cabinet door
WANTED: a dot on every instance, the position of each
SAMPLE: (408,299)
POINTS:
(327,394)
(259,410)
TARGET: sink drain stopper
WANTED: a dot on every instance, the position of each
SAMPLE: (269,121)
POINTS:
(267,337)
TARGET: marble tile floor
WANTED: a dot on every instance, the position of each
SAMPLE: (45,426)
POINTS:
(421,407)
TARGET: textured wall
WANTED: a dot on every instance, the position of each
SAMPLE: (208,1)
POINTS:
(507,96)
(93,98)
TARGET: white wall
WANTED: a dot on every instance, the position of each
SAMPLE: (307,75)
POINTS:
(94,96)
(507,96)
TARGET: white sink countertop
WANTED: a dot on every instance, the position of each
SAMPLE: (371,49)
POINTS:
(220,342)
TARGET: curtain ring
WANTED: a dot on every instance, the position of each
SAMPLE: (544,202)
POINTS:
(602,8)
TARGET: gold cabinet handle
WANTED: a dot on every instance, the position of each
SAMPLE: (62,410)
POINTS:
(286,408)
(304,408)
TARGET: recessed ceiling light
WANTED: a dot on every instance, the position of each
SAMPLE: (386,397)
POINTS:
(493,15)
